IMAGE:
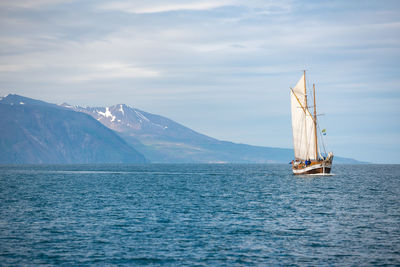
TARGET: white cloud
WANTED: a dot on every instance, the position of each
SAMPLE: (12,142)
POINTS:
(153,6)
(30,3)
(144,7)
(114,70)
(18,67)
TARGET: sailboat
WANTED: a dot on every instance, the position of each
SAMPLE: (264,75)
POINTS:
(308,158)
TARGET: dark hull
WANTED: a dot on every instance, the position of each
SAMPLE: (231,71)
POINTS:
(320,170)
(316,167)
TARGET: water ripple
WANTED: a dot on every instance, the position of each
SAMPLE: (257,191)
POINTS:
(203,215)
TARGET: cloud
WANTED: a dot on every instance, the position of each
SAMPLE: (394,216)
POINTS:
(145,7)
(31,3)
(114,70)
(18,67)
(148,7)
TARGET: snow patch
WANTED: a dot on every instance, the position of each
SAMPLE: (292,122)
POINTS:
(140,115)
(107,114)
(122,110)
(67,106)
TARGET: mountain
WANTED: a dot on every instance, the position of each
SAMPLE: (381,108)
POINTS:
(33,131)
(162,140)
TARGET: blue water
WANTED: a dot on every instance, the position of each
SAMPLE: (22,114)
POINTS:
(174,215)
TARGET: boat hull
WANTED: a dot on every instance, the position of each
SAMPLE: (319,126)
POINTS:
(315,168)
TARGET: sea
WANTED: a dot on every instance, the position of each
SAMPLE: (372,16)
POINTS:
(198,215)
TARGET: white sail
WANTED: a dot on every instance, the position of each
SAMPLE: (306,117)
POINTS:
(302,124)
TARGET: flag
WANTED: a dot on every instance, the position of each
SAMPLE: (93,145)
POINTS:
(324,131)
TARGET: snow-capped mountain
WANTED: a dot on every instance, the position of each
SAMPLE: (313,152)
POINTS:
(140,124)
(162,140)
(34,131)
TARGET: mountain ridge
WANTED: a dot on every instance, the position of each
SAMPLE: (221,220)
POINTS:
(33,131)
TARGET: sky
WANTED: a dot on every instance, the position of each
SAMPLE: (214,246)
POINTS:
(222,68)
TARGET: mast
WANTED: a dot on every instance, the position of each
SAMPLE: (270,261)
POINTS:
(305,113)
(315,125)
(305,90)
